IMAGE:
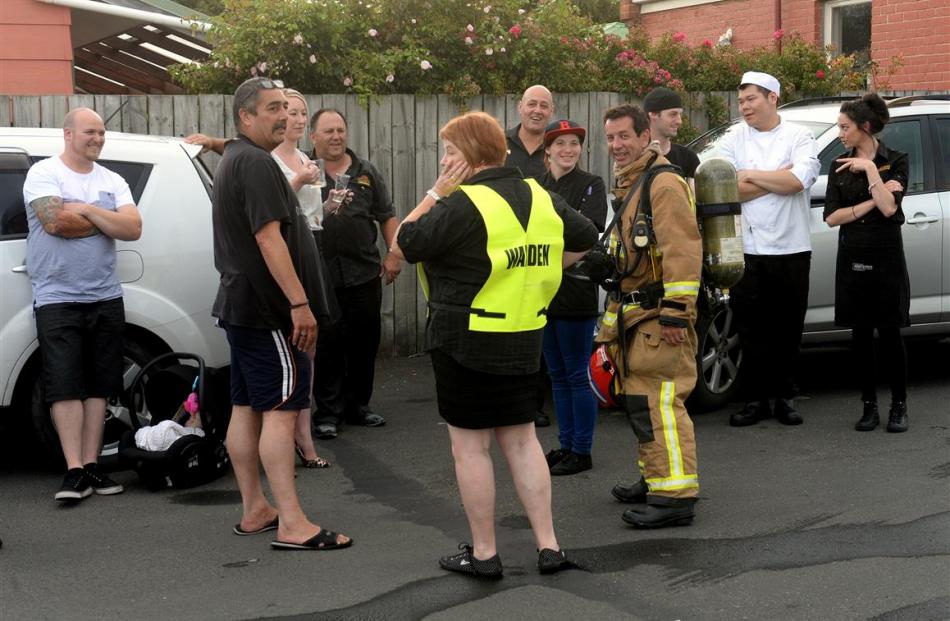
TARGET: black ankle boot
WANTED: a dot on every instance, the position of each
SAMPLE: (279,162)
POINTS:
(634,493)
(871,418)
(897,420)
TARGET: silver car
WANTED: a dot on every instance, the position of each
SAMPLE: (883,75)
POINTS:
(920,127)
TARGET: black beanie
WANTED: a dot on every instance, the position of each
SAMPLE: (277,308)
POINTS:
(660,99)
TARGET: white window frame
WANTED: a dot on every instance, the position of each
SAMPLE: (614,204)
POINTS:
(655,6)
(827,20)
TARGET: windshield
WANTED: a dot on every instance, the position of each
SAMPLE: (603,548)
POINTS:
(707,145)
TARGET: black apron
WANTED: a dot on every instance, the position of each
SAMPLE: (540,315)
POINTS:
(872,287)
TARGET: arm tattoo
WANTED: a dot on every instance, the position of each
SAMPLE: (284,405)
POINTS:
(60,223)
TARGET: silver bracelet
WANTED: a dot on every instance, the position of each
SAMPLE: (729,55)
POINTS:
(871,187)
(433,195)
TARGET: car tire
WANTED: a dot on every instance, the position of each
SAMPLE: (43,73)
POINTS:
(718,361)
(117,422)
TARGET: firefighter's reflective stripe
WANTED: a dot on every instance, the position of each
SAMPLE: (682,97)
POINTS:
(525,261)
(673,483)
(681,287)
(667,394)
(610,317)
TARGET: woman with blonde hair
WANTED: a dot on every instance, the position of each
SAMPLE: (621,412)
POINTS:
(492,246)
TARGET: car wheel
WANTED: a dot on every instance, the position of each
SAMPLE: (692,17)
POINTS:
(117,421)
(718,361)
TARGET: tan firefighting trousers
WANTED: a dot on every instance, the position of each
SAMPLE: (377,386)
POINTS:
(659,377)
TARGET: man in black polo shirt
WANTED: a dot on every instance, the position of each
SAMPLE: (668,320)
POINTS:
(526,152)
(346,359)
(665,109)
(526,139)
(268,263)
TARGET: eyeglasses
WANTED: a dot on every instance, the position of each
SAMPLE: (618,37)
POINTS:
(259,85)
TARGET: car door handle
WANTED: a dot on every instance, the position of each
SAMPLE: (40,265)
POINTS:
(920,218)
(19,269)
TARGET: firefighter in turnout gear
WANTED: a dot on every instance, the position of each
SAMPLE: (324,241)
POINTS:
(659,261)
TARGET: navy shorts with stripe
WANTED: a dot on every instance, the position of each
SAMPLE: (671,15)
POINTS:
(267,371)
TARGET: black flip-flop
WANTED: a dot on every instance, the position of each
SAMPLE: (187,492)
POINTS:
(324,540)
(272,525)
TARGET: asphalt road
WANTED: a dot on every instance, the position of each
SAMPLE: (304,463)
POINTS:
(809,522)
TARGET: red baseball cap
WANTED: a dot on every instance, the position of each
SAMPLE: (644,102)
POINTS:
(562,127)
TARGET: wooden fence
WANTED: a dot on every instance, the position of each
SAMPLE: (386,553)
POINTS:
(398,133)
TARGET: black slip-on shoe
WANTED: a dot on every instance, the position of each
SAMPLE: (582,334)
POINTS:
(555,456)
(465,563)
(552,561)
(572,464)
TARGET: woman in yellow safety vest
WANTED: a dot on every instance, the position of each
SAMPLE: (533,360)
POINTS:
(494,246)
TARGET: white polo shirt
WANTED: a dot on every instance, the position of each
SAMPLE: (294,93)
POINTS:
(775,224)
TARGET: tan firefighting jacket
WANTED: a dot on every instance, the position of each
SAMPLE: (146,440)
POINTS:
(675,259)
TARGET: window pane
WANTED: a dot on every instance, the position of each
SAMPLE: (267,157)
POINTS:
(833,152)
(905,136)
(13,168)
(943,152)
(851,30)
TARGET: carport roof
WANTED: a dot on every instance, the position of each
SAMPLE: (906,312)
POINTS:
(120,55)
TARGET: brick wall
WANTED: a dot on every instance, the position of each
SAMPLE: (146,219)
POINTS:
(918,29)
(36,55)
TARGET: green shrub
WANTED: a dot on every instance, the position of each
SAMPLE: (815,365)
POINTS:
(469,47)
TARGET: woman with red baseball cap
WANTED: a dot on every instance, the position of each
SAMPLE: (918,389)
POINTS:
(569,333)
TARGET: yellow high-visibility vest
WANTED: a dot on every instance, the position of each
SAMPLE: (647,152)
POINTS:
(525,263)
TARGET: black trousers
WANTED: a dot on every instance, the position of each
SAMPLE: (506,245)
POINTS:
(892,356)
(769,305)
(345,363)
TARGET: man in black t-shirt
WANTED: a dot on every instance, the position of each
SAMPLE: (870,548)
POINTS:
(665,109)
(526,139)
(267,259)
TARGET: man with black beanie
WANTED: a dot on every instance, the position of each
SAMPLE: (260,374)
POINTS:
(665,109)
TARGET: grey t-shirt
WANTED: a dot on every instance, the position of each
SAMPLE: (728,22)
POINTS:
(72,270)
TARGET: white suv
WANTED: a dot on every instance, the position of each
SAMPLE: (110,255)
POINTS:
(168,275)
(920,127)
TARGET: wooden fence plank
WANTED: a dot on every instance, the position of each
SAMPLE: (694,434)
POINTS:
(81,101)
(495,105)
(580,113)
(26,111)
(379,140)
(52,110)
(108,107)
(6,111)
(358,127)
(135,114)
(161,115)
(426,170)
(406,194)
(230,131)
(562,106)
(211,122)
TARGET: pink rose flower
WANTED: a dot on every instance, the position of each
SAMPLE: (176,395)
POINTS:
(707,43)
(347,81)
(820,74)
(515,31)
(778,34)
(390,78)
(425,65)
(679,37)
(373,32)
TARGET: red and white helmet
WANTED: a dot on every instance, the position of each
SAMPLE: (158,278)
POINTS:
(603,377)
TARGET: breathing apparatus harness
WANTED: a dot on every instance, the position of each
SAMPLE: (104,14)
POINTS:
(608,266)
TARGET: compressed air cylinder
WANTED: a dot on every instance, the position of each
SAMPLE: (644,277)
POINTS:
(720,215)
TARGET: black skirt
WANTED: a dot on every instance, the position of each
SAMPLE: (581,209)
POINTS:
(872,287)
(473,399)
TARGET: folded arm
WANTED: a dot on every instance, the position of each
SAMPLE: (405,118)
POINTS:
(59,221)
(124,223)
